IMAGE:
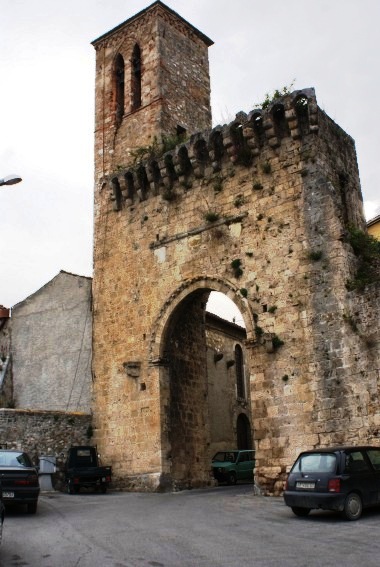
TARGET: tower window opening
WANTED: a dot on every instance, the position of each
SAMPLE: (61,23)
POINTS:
(119,77)
(136,78)
(239,366)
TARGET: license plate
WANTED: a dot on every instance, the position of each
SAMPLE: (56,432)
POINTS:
(305,485)
(8,494)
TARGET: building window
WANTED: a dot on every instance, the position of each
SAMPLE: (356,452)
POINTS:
(136,78)
(239,366)
(119,76)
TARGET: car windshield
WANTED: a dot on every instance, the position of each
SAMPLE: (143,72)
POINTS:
(315,462)
(14,459)
(225,457)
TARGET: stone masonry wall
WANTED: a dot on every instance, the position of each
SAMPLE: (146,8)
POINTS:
(44,433)
(258,209)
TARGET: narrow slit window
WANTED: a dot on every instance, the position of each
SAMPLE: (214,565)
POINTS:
(120,87)
(136,78)
(239,365)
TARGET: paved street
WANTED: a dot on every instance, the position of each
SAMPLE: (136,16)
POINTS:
(221,527)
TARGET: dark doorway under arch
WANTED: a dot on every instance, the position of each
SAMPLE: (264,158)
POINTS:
(243,432)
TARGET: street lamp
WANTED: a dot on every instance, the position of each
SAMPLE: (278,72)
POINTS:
(10,179)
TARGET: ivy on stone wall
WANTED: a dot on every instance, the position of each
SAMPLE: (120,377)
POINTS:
(367,250)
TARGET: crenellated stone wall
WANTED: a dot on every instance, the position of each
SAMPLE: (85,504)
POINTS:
(280,206)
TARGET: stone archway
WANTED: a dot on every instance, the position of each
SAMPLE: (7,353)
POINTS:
(184,360)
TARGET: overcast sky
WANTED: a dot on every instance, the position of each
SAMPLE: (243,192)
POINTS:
(47,70)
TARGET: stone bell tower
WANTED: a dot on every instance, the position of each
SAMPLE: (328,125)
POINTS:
(152,81)
(152,85)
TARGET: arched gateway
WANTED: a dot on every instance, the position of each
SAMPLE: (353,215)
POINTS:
(260,210)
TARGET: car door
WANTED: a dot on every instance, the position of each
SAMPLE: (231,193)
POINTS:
(244,465)
(374,457)
(360,476)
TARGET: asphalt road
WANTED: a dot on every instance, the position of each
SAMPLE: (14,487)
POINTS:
(220,527)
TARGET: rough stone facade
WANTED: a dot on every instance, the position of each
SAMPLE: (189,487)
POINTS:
(44,433)
(51,349)
(260,210)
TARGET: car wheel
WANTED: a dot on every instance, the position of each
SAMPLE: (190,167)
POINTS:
(300,511)
(353,507)
(103,488)
(32,507)
(231,479)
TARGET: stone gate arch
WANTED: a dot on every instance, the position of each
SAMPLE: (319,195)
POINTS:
(205,284)
(187,401)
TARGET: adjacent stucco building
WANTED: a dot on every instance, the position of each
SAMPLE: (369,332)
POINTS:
(52,345)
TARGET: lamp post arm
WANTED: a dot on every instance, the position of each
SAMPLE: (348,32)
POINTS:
(10,179)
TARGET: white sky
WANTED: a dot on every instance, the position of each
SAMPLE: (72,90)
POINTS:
(47,70)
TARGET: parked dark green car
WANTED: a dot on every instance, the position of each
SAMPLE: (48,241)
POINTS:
(231,466)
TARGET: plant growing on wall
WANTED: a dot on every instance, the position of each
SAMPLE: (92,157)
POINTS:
(256,186)
(367,250)
(239,201)
(211,216)
(315,255)
(276,94)
(236,267)
(277,342)
(218,184)
(156,149)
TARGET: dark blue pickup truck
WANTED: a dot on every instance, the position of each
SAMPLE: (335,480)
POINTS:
(83,470)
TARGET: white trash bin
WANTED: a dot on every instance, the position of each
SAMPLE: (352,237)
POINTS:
(47,468)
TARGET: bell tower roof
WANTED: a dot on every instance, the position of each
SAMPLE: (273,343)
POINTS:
(161,5)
